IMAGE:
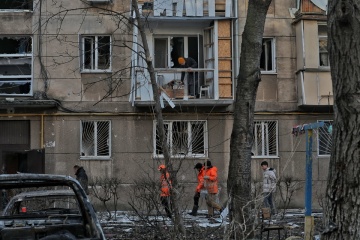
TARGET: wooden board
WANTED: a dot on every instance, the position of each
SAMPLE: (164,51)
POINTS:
(224,29)
(175,93)
(224,64)
(224,48)
(224,80)
(225,91)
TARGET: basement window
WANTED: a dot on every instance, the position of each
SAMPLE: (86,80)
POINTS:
(265,139)
(267,60)
(184,138)
(95,139)
(16,60)
(16,5)
(96,53)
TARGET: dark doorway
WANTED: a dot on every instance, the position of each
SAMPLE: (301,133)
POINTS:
(32,161)
(15,155)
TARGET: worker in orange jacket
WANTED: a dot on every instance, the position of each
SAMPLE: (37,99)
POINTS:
(211,184)
(165,189)
(200,178)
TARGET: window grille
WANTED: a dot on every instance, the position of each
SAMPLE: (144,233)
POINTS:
(265,139)
(184,138)
(325,138)
(95,139)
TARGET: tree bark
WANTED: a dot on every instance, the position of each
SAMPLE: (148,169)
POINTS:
(342,212)
(178,221)
(239,178)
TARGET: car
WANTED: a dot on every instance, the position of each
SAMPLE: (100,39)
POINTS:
(45,206)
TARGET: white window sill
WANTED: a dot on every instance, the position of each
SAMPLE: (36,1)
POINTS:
(268,72)
(96,158)
(15,10)
(257,157)
(198,156)
(97,71)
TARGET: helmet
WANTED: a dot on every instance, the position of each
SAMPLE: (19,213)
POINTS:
(162,166)
(181,60)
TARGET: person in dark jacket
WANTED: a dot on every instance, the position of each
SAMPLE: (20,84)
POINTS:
(82,177)
(200,177)
(193,84)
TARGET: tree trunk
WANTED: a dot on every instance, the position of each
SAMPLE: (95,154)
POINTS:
(239,178)
(342,213)
(178,222)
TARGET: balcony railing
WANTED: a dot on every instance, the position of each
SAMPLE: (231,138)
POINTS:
(196,83)
(187,8)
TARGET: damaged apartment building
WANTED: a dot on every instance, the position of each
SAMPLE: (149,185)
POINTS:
(74,86)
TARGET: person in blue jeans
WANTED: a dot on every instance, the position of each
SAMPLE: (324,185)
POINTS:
(269,185)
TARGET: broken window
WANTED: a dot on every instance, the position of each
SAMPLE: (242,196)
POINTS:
(95,139)
(15,65)
(323,52)
(16,4)
(184,138)
(168,49)
(96,53)
(267,60)
(265,139)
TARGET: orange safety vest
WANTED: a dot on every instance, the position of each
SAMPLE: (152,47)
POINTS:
(211,183)
(200,178)
(165,185)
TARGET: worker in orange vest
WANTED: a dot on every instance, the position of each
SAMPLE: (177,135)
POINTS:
(211,184)
(200,177)
(165,189)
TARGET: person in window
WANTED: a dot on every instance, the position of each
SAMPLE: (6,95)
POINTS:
(190,63)
(269,185)
(200,177)
(82,177)
(165,189)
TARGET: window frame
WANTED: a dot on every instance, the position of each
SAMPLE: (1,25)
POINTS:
(30,9)
(96,57)
(273,53)
(262,124)
(23,55)
(95,156)
(168,38)
(189,154)
(323,37)
(318,138)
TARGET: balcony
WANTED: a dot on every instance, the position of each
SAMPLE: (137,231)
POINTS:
(178,92)
(315,89)
(187,8)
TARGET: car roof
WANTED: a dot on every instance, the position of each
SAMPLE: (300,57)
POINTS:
(33,180)
(45,193)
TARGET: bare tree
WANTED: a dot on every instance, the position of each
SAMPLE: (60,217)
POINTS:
(178,223)
(239,178)
(343,192)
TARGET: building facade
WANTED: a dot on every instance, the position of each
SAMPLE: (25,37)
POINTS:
(75,88)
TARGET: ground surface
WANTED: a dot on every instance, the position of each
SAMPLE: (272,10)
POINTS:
(129,226)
